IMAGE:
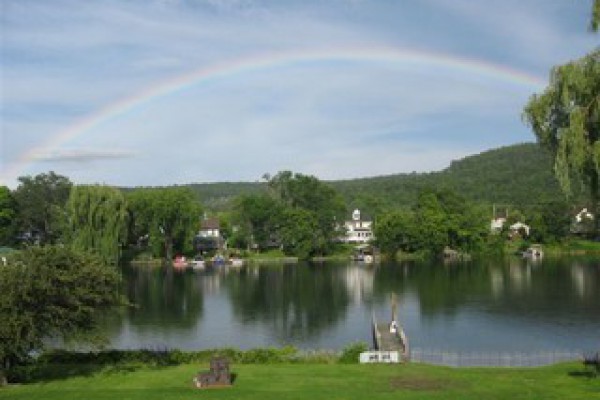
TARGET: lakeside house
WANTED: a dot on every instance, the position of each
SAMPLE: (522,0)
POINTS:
(520,229)
(209,236)
(358,230)
(582,223)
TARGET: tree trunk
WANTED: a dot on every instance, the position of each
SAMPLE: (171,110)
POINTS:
(594,206)
(3,368)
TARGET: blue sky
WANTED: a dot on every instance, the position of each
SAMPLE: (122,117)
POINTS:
(63,61)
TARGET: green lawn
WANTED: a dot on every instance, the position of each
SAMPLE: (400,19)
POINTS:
(319,381)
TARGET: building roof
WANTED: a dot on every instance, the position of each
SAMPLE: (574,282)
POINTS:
(209,223)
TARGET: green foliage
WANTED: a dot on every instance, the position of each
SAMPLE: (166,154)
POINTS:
(439,219)
(169,216)
(309,213)
(549,222)
(97,221)
(41,200)
(351,353)
(8,217)
(51,292)
(595,20)
(395,231)
(299,212)
(519,175)
(257,217)
(566,120)
(299,233)
(310,194)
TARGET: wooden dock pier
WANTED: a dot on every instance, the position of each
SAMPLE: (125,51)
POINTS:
(390,336)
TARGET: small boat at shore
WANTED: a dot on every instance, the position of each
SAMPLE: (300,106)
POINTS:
(236,262)
(180,262)
(198,263)
(534,252)
(364,254)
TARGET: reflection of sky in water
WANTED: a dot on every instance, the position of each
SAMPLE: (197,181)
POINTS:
(502,307)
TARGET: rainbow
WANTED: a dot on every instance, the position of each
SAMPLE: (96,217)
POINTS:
(389,56)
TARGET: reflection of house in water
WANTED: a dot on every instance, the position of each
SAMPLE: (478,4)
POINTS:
(520,275)
(516,278)
(497,281)
(583,280)
(359,283)
(210,283)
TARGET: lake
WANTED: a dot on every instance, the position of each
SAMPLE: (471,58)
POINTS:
(508,305)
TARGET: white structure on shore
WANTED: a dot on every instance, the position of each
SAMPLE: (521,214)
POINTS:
(358,230)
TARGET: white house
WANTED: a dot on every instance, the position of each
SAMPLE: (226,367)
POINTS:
(358,230)
(583,222)
(584,215)
(497,224)
(519,227)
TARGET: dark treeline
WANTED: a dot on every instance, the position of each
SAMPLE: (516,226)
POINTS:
(297,213)
(519,175)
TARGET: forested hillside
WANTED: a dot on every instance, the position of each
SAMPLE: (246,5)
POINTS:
(519,175)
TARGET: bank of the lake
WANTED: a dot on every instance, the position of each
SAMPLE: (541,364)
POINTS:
(315,381)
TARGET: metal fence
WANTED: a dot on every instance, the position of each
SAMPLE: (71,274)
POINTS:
(493,359)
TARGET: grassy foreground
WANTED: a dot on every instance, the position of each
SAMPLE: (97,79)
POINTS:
(317,381)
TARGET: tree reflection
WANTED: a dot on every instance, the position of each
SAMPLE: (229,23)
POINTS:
(554,288)
(298,301)
(163,298)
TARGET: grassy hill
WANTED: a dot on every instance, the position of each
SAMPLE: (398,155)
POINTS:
(519,175)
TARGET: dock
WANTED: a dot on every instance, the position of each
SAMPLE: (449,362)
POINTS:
(390,336)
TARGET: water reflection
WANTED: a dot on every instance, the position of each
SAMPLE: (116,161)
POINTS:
(499,305)
(164,298)
(295,301)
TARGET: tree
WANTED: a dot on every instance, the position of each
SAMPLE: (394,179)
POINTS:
(299,233)
(97,221)
(40,201)
(440,218)
(257,216)
(169,216)
(595,20)
(395,231)
(566,119)
(51,292)
(8,216)
(310,194)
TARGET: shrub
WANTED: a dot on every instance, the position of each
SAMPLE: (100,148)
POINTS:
(351,353)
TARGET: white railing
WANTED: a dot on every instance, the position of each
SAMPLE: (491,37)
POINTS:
(493,359)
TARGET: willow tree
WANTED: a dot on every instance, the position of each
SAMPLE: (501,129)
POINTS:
(566,119)
(595,21)
(97,221)
(169,216)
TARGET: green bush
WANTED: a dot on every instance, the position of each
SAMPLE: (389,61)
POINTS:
(351,353)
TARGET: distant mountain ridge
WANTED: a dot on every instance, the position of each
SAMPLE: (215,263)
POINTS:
(519,174)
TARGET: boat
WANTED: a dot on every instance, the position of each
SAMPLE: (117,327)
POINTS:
(364,254)
(218,260)
(180,262)
(198,263)
(534,252)
(236,262)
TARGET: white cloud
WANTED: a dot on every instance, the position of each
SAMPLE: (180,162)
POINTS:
(62,63)
(81,155)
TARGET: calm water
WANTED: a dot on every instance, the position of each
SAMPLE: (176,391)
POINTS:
(507,305)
